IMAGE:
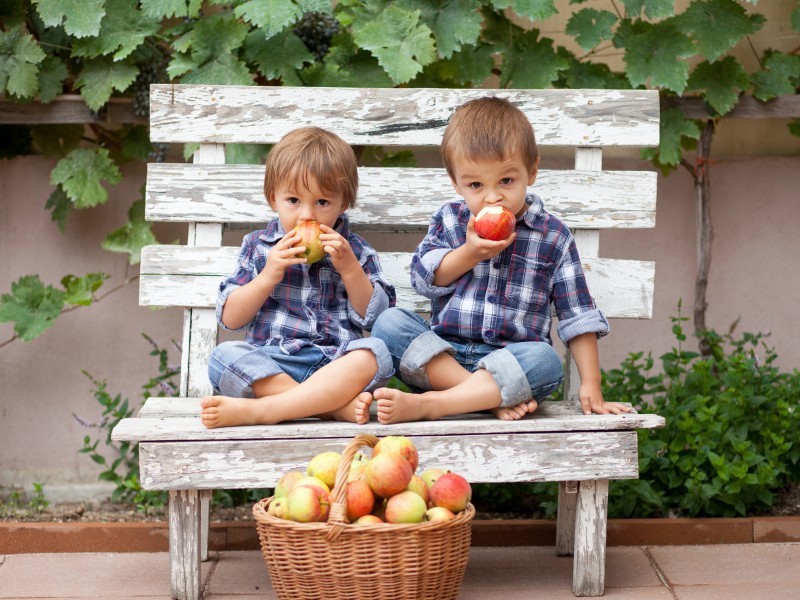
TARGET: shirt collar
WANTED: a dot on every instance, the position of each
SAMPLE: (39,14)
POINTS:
(275,231)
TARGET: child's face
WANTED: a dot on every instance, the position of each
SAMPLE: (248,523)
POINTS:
(294,203)
(493,182)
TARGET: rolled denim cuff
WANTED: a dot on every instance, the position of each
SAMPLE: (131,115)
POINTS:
(592,321)
(382,356)
(422,279)
(378,303)
(417,355)
(237,379)
(502,365)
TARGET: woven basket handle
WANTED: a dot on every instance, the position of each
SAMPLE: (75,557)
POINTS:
(337,517)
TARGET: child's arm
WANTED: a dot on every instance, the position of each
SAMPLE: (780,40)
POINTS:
(464,258)
(584,351)
(356,282)
(244,302)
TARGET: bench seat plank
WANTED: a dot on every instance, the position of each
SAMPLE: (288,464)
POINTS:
(493,457)
(233,194)
(393,116)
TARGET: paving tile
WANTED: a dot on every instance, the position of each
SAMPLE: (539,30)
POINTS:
(240,573)
(736,592)
(736,564)
(90,575)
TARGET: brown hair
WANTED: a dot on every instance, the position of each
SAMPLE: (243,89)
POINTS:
(488,127)
(312,152)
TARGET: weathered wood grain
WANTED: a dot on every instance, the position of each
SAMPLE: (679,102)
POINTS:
(396,199)
(184,544)
(547,456)
(389,116)
(190,276)
(589,565)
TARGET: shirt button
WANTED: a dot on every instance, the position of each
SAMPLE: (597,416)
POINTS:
(496,265)
(491,298)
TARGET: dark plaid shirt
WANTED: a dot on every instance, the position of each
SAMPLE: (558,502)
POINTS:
(507,299)
(309,307)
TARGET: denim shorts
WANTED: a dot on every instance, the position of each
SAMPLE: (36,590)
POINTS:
(523,370)
(234,366)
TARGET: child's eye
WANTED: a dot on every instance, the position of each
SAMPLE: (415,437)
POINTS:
(506,181)
(292,200)
(475,185)
(323,202)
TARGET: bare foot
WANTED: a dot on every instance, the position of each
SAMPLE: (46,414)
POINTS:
(355,411)
(395,406)
(512,413)
(223,411)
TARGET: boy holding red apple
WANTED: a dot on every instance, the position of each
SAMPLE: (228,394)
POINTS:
(487,345)
(302,297)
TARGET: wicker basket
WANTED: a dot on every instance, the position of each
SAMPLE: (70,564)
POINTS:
(339,561)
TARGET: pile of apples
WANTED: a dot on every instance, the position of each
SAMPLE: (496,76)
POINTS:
(383,488)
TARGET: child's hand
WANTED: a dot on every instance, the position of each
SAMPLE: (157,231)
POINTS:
(482,248)
(592,402)
(282,256)
(339,249)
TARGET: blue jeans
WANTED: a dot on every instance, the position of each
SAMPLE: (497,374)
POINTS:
(523,370)
(233,367)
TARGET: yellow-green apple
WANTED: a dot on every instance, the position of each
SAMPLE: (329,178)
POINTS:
(308,504)
(418,486)
(313,481)
(451,491)
(438,513)
(324,466)
(286,483)
(388,473)
(278,508)
(494,223)
(309,232)
(400,444)
(360,499)
(405,507)
(358,468)
(429,476)
(368,520)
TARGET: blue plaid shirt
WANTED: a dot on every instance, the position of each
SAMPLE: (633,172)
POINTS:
(507,299)
(309,307)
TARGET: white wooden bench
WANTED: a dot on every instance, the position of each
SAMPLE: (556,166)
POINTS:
(556,443)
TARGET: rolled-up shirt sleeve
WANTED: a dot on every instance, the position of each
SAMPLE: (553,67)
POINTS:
(383,293)
(246,270)
(441,239)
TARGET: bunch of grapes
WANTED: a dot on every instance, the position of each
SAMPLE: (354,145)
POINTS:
(155,72)
(158,153)
(316,29)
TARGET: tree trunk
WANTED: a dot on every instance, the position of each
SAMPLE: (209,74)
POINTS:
(704,230)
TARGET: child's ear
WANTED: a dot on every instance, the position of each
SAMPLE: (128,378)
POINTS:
(534,172)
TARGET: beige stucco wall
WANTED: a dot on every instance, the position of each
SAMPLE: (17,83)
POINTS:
(753,277)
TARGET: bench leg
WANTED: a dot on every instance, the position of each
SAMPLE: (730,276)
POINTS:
(565,520)
(184,544)
(589,565)
(205,507)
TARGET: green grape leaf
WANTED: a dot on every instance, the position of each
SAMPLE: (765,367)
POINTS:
(536,10)
(586,75)
(60,208)
(80,290)
(279,57)
(721,82)
(271,16)
(81,172)
(133,236)
(56,141)
(52,73)
(778,76)
(526,50)
(81,18)
(135,142)
(123,29)
(717,25)
(12,13)
(675,130)
(31,306)
(180,64)
(455,23)
(189,149)
(402,45)
(469,67)
(245,154)
(794,127)
(161,9)
(100,77)
(589,27)
(224,69)
(20,56)
(653,9)
(795,18)
(653,53)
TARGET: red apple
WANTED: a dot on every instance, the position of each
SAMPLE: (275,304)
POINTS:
(494,223)
(418,486)
(307,504)
(451,491)
(400,444)
(388,473)
(360,500)
(429,476)
(405,507)
(438,513)
(309,237)
(324,466)
(286,483)
(313,481)
(368,520)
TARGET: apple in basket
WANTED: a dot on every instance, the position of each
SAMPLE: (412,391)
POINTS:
(360,499)
(400,444)
(405,507)
(451,491)
(309,232)
(324,466)
(278,508)
(418,486)
(308,504)
(287,482)
(358,468)
(438,513)
(388,473)
(313,481)
(494,223)
(429,476)
(368,520)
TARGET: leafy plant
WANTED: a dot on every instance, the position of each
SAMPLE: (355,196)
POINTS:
(18,502)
